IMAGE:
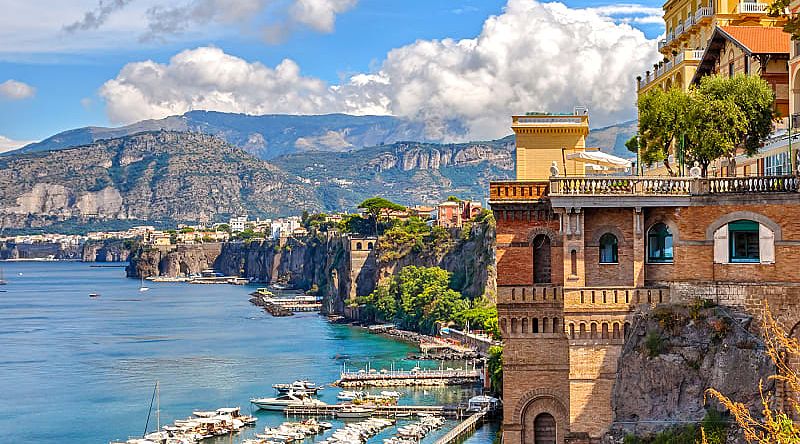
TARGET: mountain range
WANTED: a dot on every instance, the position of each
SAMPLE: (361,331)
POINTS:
(213,165)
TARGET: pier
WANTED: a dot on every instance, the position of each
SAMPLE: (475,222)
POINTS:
(286,306)
(388,411)
(408,378)
(463,430)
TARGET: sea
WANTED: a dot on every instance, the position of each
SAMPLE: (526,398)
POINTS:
(75,369)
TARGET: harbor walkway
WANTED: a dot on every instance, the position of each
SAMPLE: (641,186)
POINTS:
(412,377)
(463,430)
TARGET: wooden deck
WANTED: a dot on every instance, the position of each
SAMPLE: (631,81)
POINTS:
(463,430)
(390,411)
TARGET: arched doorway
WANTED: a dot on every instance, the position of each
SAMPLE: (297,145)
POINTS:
(544,429)
(541,260)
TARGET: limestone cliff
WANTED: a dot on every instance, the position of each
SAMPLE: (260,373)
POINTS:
(319,262)
(145,177)
(673,355)
(110,250)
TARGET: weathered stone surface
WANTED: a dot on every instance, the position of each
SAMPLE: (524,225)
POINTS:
(706,349)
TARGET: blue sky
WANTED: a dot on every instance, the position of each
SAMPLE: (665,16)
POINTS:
(61,73)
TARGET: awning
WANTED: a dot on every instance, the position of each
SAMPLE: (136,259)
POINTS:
(600,158)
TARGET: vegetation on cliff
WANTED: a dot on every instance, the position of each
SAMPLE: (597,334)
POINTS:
(416,299)
(420,298)
(776,424)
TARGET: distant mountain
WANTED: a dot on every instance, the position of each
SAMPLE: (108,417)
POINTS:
(183,176)
(611,139)
(266,136)
(145,177)
(406,172)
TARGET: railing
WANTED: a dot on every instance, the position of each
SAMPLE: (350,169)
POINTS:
(671,186)
(696,54)
(661,44)
(571,186)
(746,7)
(531,294)
(702,13)
(613,298)
(758,184)
(462,429)
(499,191)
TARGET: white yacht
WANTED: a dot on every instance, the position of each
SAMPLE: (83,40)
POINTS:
(291,399)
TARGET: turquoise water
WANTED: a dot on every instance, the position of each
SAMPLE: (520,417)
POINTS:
(79,370)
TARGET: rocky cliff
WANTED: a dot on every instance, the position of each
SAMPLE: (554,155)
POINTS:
(319,262)
(149,176)
(673,355)
(110,250)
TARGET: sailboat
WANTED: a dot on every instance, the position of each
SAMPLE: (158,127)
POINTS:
(141,284)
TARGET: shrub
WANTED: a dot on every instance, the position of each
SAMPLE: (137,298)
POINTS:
(654,344)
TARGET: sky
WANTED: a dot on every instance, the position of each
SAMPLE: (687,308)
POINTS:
(66,64)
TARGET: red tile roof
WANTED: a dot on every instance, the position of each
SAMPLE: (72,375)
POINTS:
(759,39)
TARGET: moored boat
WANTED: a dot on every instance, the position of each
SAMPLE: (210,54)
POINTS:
(291,399)
(355,412)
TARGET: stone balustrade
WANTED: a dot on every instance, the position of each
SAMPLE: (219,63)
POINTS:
(517,191)
(671,186)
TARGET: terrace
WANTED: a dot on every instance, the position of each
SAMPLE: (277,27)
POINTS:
(677,190)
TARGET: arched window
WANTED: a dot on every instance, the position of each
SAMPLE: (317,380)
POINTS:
(608,249)
(659,244)
(544,429)
(743,238)
(359,246)
(369,245)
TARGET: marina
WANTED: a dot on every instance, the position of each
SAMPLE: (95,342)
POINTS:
(413,377)
(208,346)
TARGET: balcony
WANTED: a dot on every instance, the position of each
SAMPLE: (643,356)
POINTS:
(670,186)
(703,13)
(682,56)
(662,44)
(510,191)
(746,7)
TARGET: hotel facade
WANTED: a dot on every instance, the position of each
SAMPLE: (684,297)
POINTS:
(579,256)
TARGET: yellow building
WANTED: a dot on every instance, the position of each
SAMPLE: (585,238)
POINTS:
(544,138)
(689,26)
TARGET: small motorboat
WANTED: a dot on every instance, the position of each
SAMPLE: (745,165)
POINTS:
(291,399)
(94,295)
(355,412)
(349,395)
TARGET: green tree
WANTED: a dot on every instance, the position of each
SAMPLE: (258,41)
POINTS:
(376,206)
(713,129)
(711,120)
(453,199)
(662,119)
(778,8)
(187,230)
(416,298)
(753,96)
(224,227)
(495,367)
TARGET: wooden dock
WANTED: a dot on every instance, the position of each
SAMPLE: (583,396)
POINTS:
(388,411)
(405,378)
(463,430)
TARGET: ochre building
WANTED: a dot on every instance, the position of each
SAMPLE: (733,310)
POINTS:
(577,256)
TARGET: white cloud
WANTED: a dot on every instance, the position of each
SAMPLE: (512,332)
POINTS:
(532,57)
(31,29)
(15,90)
(7,144)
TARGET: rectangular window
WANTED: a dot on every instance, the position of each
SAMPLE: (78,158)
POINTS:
(743,237)
(777,164)
(730,69)
(746,65)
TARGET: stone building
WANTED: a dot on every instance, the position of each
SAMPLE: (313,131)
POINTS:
(578,256)
(689,26)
